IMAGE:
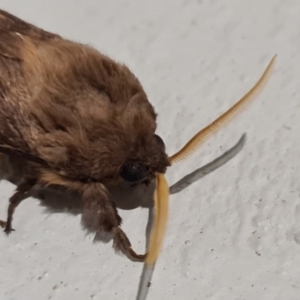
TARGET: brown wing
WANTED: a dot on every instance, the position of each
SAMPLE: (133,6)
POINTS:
(11,28)
(12,122)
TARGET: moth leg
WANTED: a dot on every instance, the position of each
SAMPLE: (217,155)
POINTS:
(20,194)
(100,214)
(122,243)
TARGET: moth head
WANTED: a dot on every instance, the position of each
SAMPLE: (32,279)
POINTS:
(138,170)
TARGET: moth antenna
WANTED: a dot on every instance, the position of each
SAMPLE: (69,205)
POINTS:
(145,282)
(189,179)
(161,211)
(225,118)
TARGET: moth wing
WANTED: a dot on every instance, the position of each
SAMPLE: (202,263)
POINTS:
(12,135)
(11,31)
(13,124)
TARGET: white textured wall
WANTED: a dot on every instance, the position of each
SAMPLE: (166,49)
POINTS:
(236,233)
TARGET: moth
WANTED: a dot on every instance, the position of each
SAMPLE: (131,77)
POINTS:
(73,117)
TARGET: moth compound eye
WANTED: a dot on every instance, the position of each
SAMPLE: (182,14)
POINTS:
(160,141)
(134,172)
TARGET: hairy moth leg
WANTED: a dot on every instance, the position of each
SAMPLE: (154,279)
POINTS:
(122,243)
(100,214)
(21,194)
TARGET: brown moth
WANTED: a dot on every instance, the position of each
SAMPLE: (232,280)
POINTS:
(72,117)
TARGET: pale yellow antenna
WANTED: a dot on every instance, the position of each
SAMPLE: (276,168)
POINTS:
(161,206)
(224,119)
(161,212)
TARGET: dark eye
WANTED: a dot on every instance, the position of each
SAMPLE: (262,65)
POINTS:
(134,172)
(159,141)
